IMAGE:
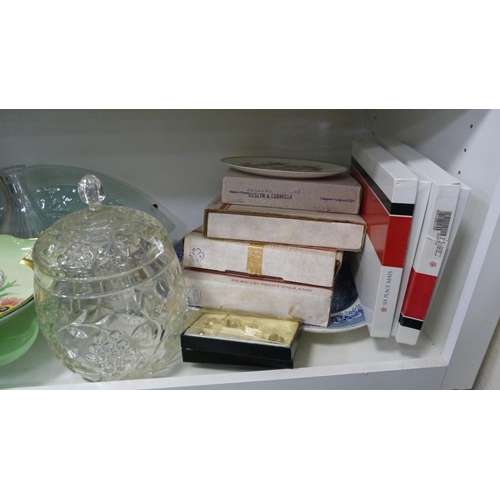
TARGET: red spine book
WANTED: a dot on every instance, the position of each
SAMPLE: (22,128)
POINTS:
(389,194)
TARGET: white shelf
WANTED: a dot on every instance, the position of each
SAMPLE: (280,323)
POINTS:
(350,359)
(178,165)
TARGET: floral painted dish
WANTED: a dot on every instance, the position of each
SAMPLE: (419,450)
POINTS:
(16,273)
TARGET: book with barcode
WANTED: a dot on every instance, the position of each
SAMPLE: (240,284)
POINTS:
(433,243)
(387,206)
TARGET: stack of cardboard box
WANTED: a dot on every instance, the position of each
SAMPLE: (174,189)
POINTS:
(273,245)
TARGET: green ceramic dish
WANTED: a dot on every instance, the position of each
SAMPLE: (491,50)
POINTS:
(18,331)
(18,320)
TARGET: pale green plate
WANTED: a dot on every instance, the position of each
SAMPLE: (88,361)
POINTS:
(18,331)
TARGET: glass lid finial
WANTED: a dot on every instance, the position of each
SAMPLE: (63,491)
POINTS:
(91,191)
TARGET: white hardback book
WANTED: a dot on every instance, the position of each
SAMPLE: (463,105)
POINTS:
(389,195)
(433,243)
(423,193)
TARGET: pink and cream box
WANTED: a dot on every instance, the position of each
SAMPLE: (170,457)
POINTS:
(339,194)
(305,228)
(313,266)
(228,291)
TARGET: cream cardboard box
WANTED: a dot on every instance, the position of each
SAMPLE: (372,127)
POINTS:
(284,226)
(313,266)
(228,291)
(338,194)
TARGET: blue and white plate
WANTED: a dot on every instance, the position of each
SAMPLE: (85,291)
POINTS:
(179,250)
(350,318)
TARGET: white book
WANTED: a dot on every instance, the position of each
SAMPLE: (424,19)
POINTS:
(423,193)
(433,243)
(389,196)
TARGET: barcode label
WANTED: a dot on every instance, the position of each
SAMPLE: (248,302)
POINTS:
(442,222)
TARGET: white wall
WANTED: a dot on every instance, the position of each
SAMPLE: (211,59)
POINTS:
(489,374)
(173,155)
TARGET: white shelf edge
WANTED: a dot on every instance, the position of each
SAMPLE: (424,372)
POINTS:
(380,373)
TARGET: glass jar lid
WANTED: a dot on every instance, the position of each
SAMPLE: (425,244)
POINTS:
(101,241)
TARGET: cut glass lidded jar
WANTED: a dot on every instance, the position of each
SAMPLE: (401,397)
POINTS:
(109,290)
